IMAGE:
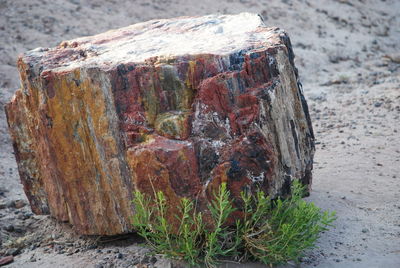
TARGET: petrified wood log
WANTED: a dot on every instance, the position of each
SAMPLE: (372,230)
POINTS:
(180,105)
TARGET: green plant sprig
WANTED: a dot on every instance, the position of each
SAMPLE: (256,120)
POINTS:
(271,231)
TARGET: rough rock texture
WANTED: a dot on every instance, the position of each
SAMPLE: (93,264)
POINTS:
(177,105)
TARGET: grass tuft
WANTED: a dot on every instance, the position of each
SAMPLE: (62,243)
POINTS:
(271,231)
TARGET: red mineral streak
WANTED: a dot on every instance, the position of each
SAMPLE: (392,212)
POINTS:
(90,125)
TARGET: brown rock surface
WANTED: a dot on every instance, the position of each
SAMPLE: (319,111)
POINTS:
(6,260)
(180,104)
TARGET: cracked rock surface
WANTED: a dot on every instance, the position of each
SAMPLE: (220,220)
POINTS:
(181,105)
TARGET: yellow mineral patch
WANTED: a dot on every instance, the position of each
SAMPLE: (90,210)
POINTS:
(173,124)
(86,154)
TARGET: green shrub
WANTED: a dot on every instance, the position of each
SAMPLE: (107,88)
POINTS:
(271,231)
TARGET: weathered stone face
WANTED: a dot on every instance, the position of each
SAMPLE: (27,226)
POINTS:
(178,105)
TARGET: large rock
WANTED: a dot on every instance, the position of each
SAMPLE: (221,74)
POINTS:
(177,105)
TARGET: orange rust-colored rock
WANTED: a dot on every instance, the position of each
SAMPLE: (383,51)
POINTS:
(178,105)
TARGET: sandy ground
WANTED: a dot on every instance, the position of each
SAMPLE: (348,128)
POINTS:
(348,55)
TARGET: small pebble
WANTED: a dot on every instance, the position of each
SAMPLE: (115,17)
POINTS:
(32,258)
(6,260)
(145,260)
(11,204)
(19,230)
(13,251)
(19,203)
(153,260)
(9,228)
(21,217)
(91,247)
(28,215)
